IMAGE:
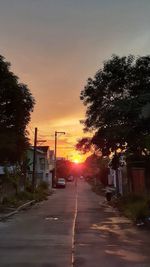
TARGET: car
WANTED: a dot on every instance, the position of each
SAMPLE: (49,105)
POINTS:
(61,183)
(70,178)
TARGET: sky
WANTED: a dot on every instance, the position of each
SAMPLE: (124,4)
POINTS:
(55,45)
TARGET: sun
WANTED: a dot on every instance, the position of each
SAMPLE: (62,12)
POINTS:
(76,161)
(77,158)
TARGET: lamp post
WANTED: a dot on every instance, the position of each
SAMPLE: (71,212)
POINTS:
(55,165)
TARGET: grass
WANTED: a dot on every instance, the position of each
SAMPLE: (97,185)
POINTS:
(134,206)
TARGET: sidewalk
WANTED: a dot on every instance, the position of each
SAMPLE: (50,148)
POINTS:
(8,213)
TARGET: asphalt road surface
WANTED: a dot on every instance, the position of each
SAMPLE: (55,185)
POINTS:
(74,228)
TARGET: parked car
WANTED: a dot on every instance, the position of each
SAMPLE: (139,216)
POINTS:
(61,183)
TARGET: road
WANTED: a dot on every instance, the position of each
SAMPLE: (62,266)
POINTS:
(73,228)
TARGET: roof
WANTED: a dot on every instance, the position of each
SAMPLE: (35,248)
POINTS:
(37,150)
(43,148)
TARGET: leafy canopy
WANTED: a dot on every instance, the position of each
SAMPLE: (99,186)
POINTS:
(116,99)
(16,104)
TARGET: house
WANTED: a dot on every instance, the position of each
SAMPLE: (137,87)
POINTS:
(51,160)
(132,177)
(44,164)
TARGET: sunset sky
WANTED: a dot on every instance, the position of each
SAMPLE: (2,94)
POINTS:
(55,45)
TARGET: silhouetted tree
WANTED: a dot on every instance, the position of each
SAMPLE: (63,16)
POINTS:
(116,99)
(96,167)
(92,166)
(16,104)
(84,145)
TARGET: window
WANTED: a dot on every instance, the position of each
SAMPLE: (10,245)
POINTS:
(42,163)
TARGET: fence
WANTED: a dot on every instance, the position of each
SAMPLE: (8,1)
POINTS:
(139,176)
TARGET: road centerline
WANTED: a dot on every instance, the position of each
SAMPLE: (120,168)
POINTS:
(74,226)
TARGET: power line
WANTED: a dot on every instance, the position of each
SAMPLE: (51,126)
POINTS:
(31,130)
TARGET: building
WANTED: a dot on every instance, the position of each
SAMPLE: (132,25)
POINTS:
(44,164)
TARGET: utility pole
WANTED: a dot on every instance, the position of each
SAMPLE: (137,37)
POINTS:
(34,160)
(55,164)
(55,157)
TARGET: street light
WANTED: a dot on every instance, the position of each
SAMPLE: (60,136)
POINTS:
(55,167)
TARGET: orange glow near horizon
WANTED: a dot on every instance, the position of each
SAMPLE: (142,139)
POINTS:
(65,143)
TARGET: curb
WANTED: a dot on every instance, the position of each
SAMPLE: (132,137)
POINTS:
(25,205)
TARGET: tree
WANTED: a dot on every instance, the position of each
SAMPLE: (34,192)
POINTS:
(16,104)
(92,166)
(84,145)
(115,99)
(63,168)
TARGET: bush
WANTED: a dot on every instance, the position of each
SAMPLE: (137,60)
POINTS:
(10,201)
(41,191)
(43,185)
(28,187)
(25,195)
(17,200)
(134,206)
(40,195)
